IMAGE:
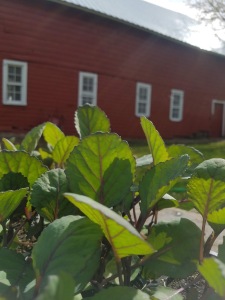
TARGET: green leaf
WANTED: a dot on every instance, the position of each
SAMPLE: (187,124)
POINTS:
(8,145)
(21,162)
(159,180)
(18,271)
(9,201)
(32,138)
(120,292)
(52,134)
(47,195)
(155,143)
(206,189)
(178,243)
(167,201)
(122,236)
(166,293)
(13,181)
(63,149)
(71,245)
(89,119)
(196,157)
(216,220)
(58,287)
(213,271)
(102,167)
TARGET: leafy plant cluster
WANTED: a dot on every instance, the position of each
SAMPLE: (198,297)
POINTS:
(76,222)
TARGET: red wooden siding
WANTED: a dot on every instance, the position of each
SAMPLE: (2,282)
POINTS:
(57,42)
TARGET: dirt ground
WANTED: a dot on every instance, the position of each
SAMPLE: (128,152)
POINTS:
(170,214)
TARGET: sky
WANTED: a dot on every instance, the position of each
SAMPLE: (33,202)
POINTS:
(176,5)
(206,38)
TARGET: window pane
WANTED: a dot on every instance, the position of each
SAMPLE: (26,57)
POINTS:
(14,93)
(175,113)
(14,74)
(142,108)
(88,84)
(176,100)
(87,100)
(143,93)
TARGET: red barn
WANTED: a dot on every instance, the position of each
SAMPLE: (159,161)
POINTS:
(119,55)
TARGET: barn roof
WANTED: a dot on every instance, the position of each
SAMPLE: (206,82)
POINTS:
(150,17)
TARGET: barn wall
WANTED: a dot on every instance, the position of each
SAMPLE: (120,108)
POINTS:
(58,42)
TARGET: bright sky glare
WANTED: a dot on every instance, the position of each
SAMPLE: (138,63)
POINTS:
(206,38)
(175,5)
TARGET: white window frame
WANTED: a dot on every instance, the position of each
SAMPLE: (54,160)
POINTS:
(173,106)
(82,93)
(5,82)
(148,87)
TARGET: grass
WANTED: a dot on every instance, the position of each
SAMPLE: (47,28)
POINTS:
(210,149)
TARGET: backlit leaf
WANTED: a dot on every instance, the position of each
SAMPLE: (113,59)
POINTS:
(21,162)
(9,201)
(59,249)
(32,138)
(216,220)
(206,189)
(90,119)
(102,167)
(213,270)
(47,195)
(159,180)
(120,292)
(179,243)
(8,145)
(52,134)
(63,148)
(155,143)
(122,236)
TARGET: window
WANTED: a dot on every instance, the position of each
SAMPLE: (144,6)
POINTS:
(87,88)
(176,105)
(143,99)
(14,82)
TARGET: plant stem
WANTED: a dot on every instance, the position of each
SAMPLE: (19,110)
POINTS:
(126,262)
(201,248)
(142,219)
(209,243)
(138,264)
(135,216)
(120,272)
(4,241)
